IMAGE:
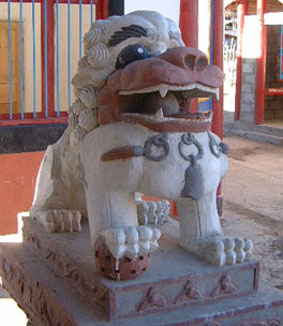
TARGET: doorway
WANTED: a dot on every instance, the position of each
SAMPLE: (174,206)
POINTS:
(4,67)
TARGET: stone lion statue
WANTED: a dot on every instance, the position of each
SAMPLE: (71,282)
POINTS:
(130,130)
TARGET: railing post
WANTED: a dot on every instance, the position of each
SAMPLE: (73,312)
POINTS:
(49,23)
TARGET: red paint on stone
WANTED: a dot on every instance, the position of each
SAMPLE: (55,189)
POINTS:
(124,269)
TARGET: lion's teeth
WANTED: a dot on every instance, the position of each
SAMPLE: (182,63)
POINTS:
(159,114)
(210,116)
(163,91)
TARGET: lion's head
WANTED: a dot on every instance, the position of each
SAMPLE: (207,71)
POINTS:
(136,69)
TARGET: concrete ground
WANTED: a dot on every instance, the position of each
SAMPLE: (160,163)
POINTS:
(253,202)
(253,208)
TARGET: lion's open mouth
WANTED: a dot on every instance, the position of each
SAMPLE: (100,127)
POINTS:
(166,100)
(157,92)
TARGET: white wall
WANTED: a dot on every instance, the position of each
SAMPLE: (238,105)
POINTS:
(204,26)
(168,8)
(251,37)
(171,9)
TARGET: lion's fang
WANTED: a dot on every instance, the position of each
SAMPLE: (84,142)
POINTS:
(163,91)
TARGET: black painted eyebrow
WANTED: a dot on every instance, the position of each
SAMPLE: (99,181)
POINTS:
(125,33)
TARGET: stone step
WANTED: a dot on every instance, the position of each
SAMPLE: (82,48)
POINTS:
(175,277)
(268,132)
(45,297)
(268,129)
(275,129)
(49,300)
(256,135)
(265,137)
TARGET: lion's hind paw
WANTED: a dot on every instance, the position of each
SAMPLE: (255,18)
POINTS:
(59,220)
(225,250)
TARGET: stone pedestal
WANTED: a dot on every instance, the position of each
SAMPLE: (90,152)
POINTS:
(53,279)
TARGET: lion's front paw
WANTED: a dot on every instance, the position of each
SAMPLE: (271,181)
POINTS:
(225,250)
(59,220)
(124,253)
(131,241)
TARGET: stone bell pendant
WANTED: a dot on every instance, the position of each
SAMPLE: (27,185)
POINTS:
(193,187)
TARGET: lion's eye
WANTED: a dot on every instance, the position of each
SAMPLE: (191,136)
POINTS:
(130,54)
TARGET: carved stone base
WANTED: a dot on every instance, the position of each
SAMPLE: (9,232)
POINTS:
(53,278)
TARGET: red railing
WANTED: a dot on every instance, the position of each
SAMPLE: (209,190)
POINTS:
(48,112)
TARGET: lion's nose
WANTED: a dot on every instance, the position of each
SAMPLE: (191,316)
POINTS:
(186,58)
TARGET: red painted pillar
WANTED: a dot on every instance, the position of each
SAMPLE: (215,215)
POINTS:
(218,34)
(189,22)
(217,106)
(189,29)
(241,13)
(261,65)
(101,10)
(50,56)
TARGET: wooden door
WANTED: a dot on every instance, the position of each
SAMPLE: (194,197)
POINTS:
(4,67)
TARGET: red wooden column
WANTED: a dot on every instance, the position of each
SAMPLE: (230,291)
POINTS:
(218,34)
(101,10)
(261,65)
(50,56)
(241,13)
(189,28)
(217,106)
